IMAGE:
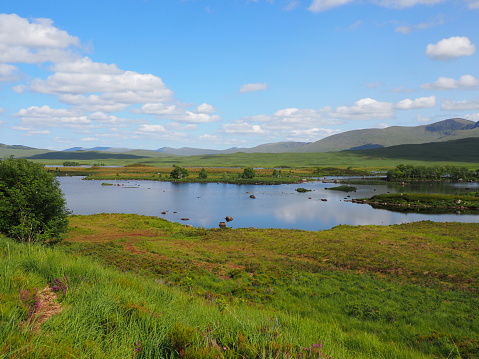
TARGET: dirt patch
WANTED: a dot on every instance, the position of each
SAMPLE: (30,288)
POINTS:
(44,306)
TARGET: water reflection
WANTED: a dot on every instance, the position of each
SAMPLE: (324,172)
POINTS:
(206,204)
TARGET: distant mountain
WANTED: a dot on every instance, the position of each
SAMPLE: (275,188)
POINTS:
(451,129)
(356,140)
(276,147)
(101,149)
(83,155)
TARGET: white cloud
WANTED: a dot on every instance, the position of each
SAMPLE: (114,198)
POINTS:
(85,65)
(49,117)
(420,102)
(205,108)
(323,5)
(407,29)
(473,4)
(292,124)
(7,73)
(202,114)
(127,86)
(451,105)
(240,127)
(456,46)
(253,87)
(92,103)
(311,134)
(35,41)
(472,117)
(148,129)
(159,132)
(446,83)
(193,117)
(210,138)
(87,139)
(291,5)
(401,4)
(365,109)
(159,109)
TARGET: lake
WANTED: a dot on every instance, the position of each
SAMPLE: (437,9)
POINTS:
(275,206)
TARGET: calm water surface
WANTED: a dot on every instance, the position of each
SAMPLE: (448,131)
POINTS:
(278,206)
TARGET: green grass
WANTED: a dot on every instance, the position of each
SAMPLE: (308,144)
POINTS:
(136,282)
(426,201)
(344,159)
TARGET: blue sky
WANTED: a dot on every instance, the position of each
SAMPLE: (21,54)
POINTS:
(230,73)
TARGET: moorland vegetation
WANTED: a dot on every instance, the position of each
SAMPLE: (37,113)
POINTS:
(130,286)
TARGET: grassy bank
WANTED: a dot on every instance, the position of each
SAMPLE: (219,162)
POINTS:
(344,159)
(403,291)
(425,201)
(213,174)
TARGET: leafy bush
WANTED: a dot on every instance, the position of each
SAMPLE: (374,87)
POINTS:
(202,174)
(249,172)
(179,172)
(32,207)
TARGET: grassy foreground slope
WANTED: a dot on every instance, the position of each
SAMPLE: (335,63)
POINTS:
(403,291)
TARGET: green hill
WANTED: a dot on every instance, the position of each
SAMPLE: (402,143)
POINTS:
(462,150)
(19,151)
(447,130)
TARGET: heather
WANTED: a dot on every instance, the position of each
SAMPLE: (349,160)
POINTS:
(143,287)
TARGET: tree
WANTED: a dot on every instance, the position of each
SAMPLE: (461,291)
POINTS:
(202,174)
(249,172)
(179,172)
(32,206)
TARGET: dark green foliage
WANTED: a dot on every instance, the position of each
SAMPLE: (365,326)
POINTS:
(409,172)
(302,190)
(202,174)
(249,172)
(32,207)
(71,164)
(343,188)
(179,172)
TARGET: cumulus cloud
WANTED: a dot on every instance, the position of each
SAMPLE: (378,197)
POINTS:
(84,77)
(292,124)
(151,129)
(472,117)
(453,47)
(452,105)
(420,102)
(365,109)
(311,134)
(205,108)
(49,117)
(242,127)
(158,132)
(446,83)
(202,114)
(7,73)
(253,87)
(33,41)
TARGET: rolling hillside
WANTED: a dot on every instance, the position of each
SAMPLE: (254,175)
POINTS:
(447,130)
(462,150)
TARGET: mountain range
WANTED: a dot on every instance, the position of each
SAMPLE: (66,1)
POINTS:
(363,139)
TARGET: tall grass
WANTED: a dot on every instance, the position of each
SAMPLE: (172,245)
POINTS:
(196,293)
